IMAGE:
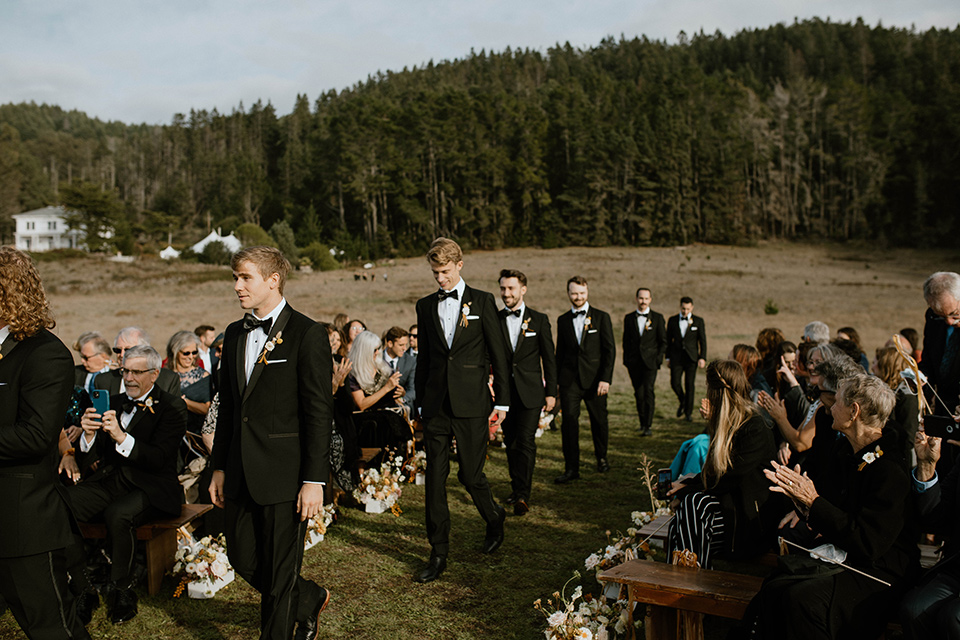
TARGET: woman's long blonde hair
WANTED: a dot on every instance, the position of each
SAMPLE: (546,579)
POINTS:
(730,407)
(370,374)
(23,302)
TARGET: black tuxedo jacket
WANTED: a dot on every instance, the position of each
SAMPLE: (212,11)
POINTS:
(693,345)
(273,433)
(167,380)
(462,369)
(646,350)
(36,381)
(80,375)
(534,346)
(591,361)
(152,464)
(934,344)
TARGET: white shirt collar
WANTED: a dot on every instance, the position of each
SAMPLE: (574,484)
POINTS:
(143,396)
(4,332)
(521,308)
(273,315)
(585,307)
(459,288)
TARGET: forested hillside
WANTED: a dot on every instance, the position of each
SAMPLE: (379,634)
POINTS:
(814,130)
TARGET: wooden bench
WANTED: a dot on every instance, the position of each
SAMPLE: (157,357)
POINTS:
(160,538)
(667,589)
(367,454)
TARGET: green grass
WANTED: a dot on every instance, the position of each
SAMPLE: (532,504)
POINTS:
(367,561)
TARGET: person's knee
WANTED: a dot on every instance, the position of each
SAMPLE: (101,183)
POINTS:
(948,620)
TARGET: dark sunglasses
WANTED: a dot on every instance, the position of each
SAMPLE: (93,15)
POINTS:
(188,353)
(118,350)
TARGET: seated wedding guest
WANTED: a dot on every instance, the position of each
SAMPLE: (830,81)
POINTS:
(859,506)
(413,340)
(205,336)
(849,333)
(781,374)
(913,337)
(135,443)
(396,342)
(722,509)
(340,322)
(372,383)
(749,358)
(932,609)
(352,330)
(343,439)
(95,356)
(112,381)
(816,332)
(182,350)
(767,341)
(888,366)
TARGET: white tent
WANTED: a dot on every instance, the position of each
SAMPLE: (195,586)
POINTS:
(169,253)
(231,242)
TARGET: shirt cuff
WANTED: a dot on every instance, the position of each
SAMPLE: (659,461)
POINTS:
(84,447)
(311,482)
(501,407)
(126,447)
(919,485)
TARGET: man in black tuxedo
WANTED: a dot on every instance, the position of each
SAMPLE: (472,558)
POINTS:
(112,381)
(36,381)
(135,445)
(586,353)
(396,354)
(686,352)
(644,345)
(461,340)
(533,383)
(941,340)
(271,452)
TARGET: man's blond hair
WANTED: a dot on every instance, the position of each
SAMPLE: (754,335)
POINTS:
(267,260)
(444,251)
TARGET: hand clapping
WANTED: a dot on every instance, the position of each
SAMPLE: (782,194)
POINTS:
(793,484)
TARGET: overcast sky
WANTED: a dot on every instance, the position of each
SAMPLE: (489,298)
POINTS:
(143,61)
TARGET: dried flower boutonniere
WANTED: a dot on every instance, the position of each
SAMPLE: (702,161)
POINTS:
(270,346)
(148,404)
(464,312)
(588,323)
(526,323)
(648,326)
(870,457)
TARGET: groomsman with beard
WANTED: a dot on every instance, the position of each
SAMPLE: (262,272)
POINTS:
(586,353)
(644,345)
(532,387)
(36,381)
(461,340)
(271,453)
(686,352)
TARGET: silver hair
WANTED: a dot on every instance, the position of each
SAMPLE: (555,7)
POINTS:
(365,369)
(176,343)
(833,371)
(826,351)
(102,345)
(816,332)
(134,335)
(143,351)
(875,398)
(938,284)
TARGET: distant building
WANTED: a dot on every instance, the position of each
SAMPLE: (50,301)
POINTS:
(44,229)
(231,242)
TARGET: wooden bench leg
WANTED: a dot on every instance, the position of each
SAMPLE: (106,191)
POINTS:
(660,623)
(160,558)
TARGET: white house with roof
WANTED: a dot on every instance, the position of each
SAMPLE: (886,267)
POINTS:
(45,229)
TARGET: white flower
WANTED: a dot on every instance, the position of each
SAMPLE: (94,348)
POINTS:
(603,634)
(869,457)
(269,346)
(582,634)
(557,618)
(591,561)
(576,594)
(219,568)
(192,568)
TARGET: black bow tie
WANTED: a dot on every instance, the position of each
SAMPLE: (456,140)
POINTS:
(582,312)
(643,313)
(685,318)
(250,323)
(516,312)
(129,404)
(443,295)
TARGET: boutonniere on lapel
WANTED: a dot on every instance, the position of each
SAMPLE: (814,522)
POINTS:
(870,457)
(526,323)
(270,346)
(648,326)
(147,405)
(588,323)
(464,312)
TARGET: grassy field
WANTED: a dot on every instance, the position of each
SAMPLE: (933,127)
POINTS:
(367,560)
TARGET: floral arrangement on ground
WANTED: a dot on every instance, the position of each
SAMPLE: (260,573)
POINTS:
(317,525)
(380,489)
(590,619)
(203,564)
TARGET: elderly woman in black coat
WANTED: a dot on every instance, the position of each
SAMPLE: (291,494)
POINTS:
(860,505)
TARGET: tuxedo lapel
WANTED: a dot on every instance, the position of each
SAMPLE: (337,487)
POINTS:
(438,326)
(8,345)
(525,318)
(258,368)
(141,411)
(241,360)
(506,331)
(460,317)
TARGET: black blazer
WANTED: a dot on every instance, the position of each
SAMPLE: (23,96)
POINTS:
(591,361)
(463,368)
(152,464)
(647,350)
(36,381)
(534,346)
(934,344)
(693,345)
(274,432)
(167,380)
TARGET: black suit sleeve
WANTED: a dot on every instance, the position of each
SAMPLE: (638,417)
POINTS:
(702,341)
(497,350)
(424,348)
(45,386)
(608,349)
(315,370)
(661,336)
(228,401)
(548,358)
(629,347)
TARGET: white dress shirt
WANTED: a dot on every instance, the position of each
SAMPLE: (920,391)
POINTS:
(257,338)
(123,448)
(581,320)
(684,324)
(642,317)
(514,323)
(206,358)
(449,311)
(391,361)
(4,332)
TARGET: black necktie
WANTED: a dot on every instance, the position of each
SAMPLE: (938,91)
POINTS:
(443,295)
(582,312)
(250,323)
(515,313)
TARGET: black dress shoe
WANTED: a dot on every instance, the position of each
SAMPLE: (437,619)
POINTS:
(645,432)
(680,411)
(309,628)
(87,603)
(602,465)
(689,418)
(566,477)
(434,568)
(511,499)
(520,507)
(124,605)
(495,532)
